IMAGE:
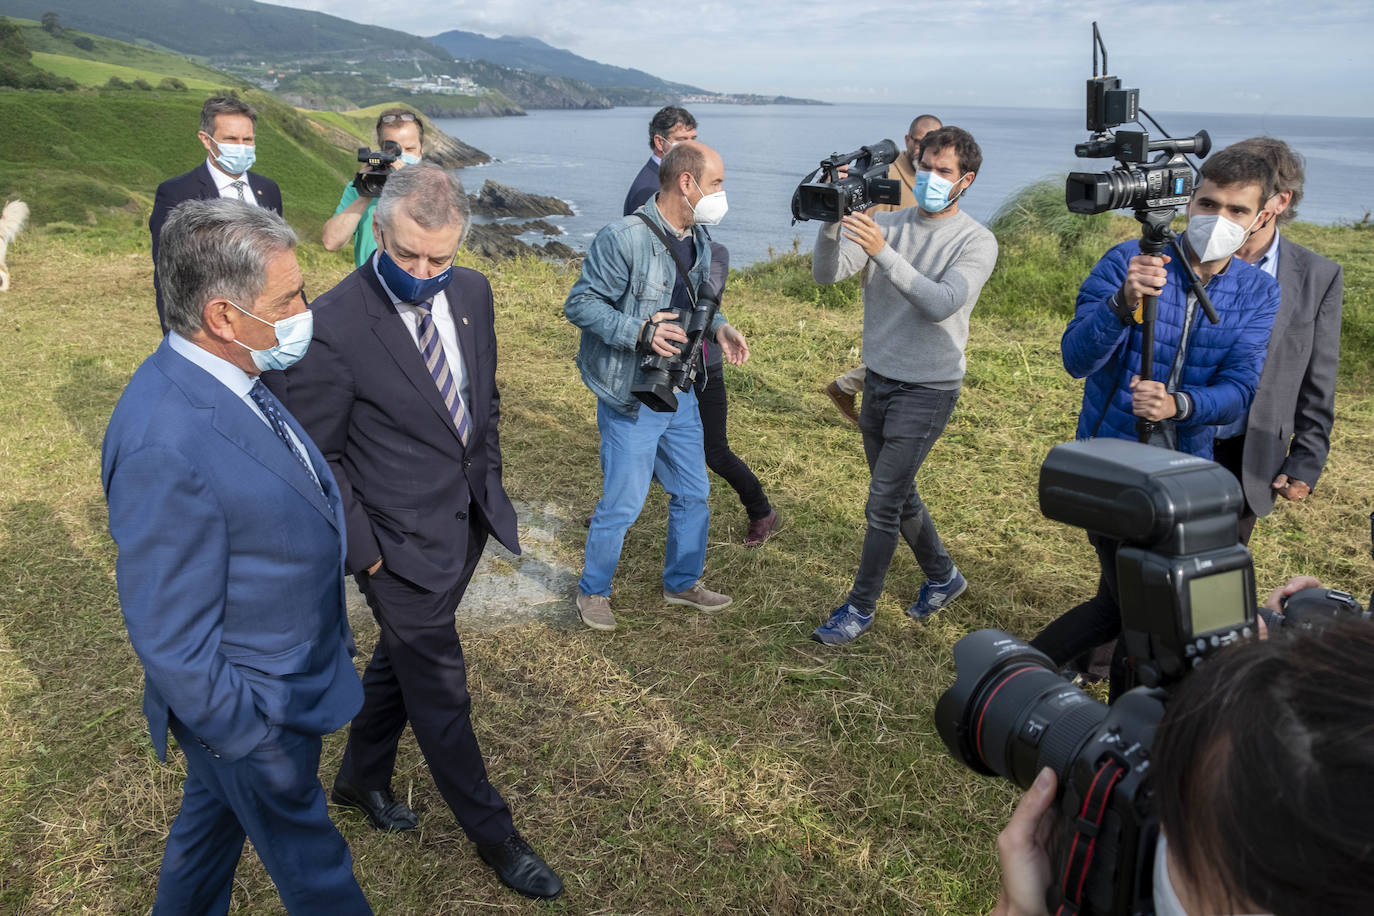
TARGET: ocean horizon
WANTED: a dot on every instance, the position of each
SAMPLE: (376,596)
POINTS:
(589,158)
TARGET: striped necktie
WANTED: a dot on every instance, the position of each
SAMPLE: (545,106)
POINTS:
(433,352)
(238,186)
(270,409)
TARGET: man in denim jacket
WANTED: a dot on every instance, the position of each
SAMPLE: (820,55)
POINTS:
(629,291)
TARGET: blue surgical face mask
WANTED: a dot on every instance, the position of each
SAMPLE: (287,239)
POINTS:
(293,339)
(235,158)
(410,159)
(407,286)
(932,191)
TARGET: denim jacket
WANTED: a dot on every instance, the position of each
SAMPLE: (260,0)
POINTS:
(627,276)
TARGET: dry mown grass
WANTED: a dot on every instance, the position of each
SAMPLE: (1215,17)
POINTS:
(680,764)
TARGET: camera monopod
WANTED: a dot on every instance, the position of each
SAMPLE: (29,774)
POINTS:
(1155,235)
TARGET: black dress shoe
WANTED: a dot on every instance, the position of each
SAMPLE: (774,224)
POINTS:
(383,811)
(520,868)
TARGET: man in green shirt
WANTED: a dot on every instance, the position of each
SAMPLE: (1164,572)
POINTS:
(353,217)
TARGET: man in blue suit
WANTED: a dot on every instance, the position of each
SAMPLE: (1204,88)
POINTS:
(669,126)
(228,131)
(230,531)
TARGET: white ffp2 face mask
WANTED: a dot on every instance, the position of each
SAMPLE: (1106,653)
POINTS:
(711,209)
(1214,237)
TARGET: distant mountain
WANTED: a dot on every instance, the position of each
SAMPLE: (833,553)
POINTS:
(226,28)
(531,54)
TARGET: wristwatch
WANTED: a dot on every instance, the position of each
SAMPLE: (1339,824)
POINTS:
(1181,405)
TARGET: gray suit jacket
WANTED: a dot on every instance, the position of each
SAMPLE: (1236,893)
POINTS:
(1289,427)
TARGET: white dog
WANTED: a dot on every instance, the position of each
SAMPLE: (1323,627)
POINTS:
(12,219)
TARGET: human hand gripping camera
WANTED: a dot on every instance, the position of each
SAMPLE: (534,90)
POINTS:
(1234,779)
(923,268)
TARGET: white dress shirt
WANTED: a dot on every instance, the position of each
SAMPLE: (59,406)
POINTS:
(226,189)
(237,381)
(443,324)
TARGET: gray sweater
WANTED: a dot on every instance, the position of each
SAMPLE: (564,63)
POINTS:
(919,292)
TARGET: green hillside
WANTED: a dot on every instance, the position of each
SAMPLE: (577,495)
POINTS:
(97,73)
(93,160)
(229,28)
(62,55)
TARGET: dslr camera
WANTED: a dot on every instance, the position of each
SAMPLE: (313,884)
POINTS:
(1187,589)
(664,375)
(376,167)
(821,196)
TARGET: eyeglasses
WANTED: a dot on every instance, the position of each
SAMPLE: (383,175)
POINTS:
(391,118)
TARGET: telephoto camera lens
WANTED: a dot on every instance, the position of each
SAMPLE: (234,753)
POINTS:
(1009,713)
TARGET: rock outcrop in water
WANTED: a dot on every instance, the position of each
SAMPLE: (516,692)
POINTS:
(499,201)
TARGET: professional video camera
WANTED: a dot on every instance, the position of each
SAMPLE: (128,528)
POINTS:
(1186,589)
(1134,183)
(372,176)
(665,374)
(1153,189)
(824,196)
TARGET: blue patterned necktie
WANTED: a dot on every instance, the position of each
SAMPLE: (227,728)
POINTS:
(433,352)
(268,405)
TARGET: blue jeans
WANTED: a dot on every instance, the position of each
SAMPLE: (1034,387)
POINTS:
(635,450)
(900,422)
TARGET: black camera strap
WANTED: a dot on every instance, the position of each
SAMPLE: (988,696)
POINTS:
(1079,859)
(682,268)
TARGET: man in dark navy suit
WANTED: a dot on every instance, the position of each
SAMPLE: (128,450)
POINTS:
(399,392)
(669,126)
(230,530)
(228,133)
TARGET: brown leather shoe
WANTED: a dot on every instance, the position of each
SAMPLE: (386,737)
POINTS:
(761,530)
(844,402)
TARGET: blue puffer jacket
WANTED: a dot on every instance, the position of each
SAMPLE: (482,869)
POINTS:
(1221,365)
(627,276)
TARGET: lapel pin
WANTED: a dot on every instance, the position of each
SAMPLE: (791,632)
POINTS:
(465,319)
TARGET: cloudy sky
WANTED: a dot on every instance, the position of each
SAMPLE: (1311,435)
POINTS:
(1254,56)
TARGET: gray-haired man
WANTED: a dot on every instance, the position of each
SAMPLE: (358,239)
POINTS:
(230,534)
(399,392)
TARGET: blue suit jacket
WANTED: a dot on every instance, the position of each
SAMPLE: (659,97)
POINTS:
(198,184)
(230,567)
(644,186)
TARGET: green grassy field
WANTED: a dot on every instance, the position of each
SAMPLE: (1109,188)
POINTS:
(683,763)
(91,161)
(96,72)
(151,64)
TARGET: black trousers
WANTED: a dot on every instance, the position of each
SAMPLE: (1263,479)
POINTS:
(711,404)
(417,674)
(1093,623)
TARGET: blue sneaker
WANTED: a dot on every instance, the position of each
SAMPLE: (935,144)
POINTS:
(933,597)
(845,624)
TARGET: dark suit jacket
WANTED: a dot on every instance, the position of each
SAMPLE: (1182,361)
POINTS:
(364,394)
(644,186)
(198,185)
(1289,426)
(230,568)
